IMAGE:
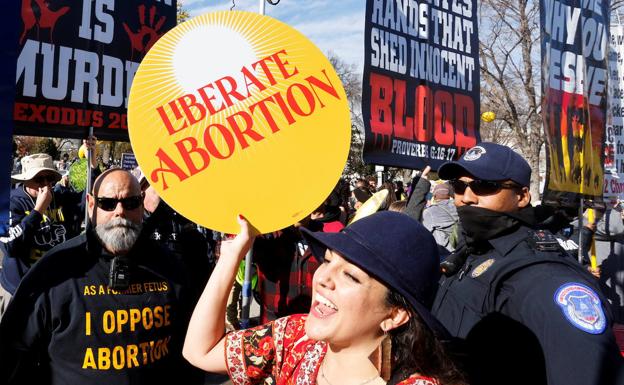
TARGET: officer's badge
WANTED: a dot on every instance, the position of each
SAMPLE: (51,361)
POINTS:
(482,268)
(474,153)
(582,307)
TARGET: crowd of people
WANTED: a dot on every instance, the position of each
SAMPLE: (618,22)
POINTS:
(461,280)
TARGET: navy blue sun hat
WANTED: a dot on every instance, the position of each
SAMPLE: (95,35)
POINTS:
(396,250)
(489,161)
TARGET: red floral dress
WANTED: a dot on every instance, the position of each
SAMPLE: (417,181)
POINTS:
(280,353)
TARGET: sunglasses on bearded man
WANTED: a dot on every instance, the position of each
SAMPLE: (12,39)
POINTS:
(110,204)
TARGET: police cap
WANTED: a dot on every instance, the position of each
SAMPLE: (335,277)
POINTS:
(489,161)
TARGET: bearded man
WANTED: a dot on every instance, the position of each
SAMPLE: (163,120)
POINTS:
(106,307)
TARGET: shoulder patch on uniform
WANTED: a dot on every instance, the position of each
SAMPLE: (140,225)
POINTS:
(582,307)
(482,268)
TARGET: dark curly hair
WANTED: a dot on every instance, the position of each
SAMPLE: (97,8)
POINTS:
(415,349)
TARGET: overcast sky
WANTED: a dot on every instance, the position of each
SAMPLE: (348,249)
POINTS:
(333,25)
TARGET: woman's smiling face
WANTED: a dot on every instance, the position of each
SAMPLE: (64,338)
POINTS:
(348,305)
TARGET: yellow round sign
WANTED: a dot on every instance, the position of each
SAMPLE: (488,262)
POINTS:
(237,113)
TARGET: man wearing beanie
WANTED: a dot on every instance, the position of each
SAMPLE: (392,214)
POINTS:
(522,310)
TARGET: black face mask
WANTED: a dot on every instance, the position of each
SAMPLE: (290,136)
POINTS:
(481,225)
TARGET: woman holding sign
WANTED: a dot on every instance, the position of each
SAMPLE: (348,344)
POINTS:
(378,278)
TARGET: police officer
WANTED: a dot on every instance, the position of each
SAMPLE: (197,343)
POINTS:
(522,311)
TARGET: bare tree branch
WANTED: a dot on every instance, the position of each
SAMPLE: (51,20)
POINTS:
(509,44)
(353,88)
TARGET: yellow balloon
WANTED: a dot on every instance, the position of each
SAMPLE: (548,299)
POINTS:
(82,152)
(488,116)
(237,113)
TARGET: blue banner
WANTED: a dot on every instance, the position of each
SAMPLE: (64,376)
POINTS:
(128,161)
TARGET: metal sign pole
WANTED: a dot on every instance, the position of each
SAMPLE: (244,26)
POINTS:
(246,292)
(89,175)
(580,232)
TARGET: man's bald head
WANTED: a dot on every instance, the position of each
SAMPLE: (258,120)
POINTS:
(115,176)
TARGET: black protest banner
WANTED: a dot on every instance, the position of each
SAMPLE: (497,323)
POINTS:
(77,60)
(420,99)
(574,97)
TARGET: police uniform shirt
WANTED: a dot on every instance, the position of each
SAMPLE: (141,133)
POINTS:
(525,316)
(67,326)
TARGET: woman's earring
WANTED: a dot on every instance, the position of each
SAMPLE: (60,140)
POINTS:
(386,356)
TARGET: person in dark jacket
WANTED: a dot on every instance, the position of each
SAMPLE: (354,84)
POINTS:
(417,199)
(361,193)
(165,226)
(40,218)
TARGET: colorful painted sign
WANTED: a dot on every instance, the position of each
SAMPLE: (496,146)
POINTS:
(574,97)
(237,113)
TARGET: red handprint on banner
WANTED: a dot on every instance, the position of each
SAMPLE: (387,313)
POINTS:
(46,19)
(143,39)
(29,19)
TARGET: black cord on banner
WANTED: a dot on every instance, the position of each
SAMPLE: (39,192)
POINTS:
(272,2)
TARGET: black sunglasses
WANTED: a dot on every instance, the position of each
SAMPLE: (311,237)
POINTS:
(110,204)
(481,187)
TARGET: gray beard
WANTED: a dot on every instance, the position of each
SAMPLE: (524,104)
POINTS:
(118,235)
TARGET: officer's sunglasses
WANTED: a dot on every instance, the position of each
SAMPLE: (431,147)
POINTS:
(110,204)
(481,187)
